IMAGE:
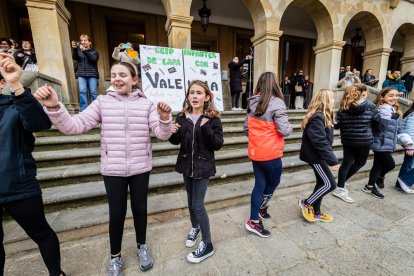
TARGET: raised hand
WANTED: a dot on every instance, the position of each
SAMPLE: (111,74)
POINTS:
(164,110)
(175,127)
(47,96)
(10,71)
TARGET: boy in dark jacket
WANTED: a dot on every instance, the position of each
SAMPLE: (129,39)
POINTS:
(20,194)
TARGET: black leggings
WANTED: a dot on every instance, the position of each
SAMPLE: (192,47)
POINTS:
(117,191)
(354,159)
(30,215)
(325,183)
(383,163)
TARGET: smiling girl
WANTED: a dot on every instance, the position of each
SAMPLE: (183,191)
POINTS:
(385,140)
(126,119)
(198,129)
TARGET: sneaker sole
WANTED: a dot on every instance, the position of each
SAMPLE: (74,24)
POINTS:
(320,220)
(198,260)
(403,186)
(190,244)
(346,200)
(147,268)
(255,231)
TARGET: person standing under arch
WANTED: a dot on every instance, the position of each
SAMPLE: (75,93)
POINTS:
(236,80)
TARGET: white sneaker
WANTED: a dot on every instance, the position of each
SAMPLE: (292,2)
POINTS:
(411,191)
(233,109)
(404,186)
(342,194)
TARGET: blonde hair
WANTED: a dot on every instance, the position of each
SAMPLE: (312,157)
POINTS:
(208,110)
(378,101)
(322,101)
(352,95)
(85,36)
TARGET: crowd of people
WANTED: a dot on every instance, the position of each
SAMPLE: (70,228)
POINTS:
(298,88)
(126,156)
(25,55)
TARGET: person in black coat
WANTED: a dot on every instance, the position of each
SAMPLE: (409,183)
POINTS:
(20,194)
(87,69)
(199,133)
(408,79)
(369,78)
(236,80)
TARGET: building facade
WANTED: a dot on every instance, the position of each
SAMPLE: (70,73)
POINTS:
(320,33)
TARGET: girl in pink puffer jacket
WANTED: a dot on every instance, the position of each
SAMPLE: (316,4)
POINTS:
(126,119)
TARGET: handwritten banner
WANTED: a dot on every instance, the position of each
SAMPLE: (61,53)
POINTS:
(163,75)
(166,73)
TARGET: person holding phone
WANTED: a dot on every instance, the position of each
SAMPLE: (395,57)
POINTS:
(121,54)
(349,79)
(87,72)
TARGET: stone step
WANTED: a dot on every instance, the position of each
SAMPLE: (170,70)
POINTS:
(228,120)
(62,156)
(90,172)
(63,194)
(61,142)
(86,221)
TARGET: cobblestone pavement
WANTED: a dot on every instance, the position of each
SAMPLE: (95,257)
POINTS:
(368,237)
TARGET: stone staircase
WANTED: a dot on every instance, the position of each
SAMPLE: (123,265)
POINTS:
(74,193)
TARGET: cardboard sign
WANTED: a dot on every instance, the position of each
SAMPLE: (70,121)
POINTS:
(204,66)
(162,75)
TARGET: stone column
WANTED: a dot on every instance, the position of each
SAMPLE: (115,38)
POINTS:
(178,29)
(266,53)
(377,60)
(407,64)
(327,63)
(49,21)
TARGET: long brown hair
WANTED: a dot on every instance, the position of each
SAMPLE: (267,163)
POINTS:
(267,88)
(378,101)
(352,95)
(322,101)
(208,110)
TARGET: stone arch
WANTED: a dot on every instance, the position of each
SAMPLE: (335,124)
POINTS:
(319,13)
(371,25)
(407,32)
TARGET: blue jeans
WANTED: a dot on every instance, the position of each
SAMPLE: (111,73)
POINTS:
(86,84)
(407,170)
(267,178)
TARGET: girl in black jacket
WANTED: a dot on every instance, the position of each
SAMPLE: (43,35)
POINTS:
(356,119)
(198,131)
(316,149)
(20,194)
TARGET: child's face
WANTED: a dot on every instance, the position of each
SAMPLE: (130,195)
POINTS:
(197,97)
(391,97)
(26,45)
(121,79)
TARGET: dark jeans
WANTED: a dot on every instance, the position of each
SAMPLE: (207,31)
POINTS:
(407,170)
(196,192)
(235,99)
(325,183)
(354,159)
(267,178)
(292,100)
(117,191)
(383,163)
(30,215)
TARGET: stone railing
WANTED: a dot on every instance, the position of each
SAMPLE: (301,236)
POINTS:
(33,80)
(403,103)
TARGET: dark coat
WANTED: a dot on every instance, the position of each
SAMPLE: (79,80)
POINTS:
(235,76)
(197,146)
(317,142)
(357,123)
(20,116)
(31,59)
(385,139)
(87,62)
(408,81)
(369,80)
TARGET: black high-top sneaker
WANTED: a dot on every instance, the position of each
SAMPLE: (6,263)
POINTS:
(203,251)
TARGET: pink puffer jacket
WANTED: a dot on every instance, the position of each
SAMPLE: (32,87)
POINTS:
(126,122)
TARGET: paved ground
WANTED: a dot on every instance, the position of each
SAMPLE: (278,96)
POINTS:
(368,237)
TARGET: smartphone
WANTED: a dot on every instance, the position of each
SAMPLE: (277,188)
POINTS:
(125,46)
